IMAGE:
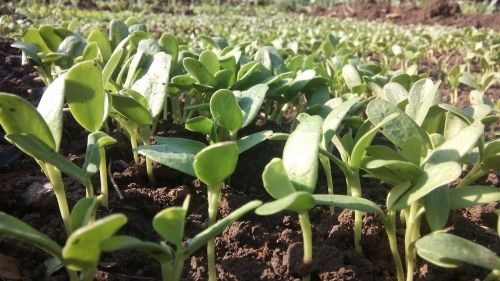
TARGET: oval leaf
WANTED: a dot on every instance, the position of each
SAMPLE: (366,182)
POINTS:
(216,162)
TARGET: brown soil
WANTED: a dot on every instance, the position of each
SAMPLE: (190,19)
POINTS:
(441,12)
(254,248)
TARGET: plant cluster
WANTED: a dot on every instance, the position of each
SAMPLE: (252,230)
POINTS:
(125,78)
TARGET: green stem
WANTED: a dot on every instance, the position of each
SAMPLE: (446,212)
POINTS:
(475,173)
(390,229)
(325,162)
(150,172)
(493,276)
(58,186)
(214,194)
(73,276)
(133,143)
(354,188)
(88,275)
(411,225)
(305,226)
(233,136)
(103,174)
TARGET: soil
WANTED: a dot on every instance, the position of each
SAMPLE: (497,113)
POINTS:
(254,248)
(441,12)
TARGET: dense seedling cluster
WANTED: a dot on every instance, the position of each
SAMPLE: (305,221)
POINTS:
(127,78)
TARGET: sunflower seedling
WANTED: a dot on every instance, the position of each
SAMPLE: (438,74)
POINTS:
(169,223)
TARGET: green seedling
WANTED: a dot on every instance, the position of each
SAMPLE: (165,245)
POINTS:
(80,255)
(420,169)
(142,96)
(450,251)
(170,223)
(37,132)
(210,164)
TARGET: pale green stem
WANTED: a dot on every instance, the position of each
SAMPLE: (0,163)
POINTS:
(493,276)
(233,136)
(73,276)
(354,188)
(103,174)
(325,162)
(57,185)
(411,225)
(171,271)
(475,173)
(214,194)
(88,275)
(133,143)
(305,226)
(390,229)
(149,170)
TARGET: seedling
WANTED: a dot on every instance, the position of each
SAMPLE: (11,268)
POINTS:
(169,223)
(80,255)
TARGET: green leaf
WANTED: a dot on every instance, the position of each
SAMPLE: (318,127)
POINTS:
(394,93)
(210,61)
(298,202)
(83,212)
(351,76)
(225,78)
(83,247)
(111,65)
(432,178)
(270,59)
(423,95)
(358,151)
(216,162)
(199,72)
(247,142)
(131,109)
(121,242)
(19,116)
(176,153)
(276,180)
(437,207)
(300,155)
(250,102)
(398,131)
(457,147)
(118,31)
(50,108)
(95,142)
(183,82)
(85,95)
(30,50)
(153,84)
(468,79)
(169,223)
(401,169)
(32,35)
(20,230)
(334,118)
(224,107)
(200,124)
(468,196)
(448,250)
(102,42)
(37,149)
(348,202)
(50,36)
(402,79)
(491,155)
(202,238)
(169,45)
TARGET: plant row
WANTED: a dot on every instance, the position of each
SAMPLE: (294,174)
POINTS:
(125,78)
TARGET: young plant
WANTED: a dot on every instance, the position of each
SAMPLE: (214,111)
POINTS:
(450,251)
(80,255)
(37,132)
(169,223)
(210,164)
